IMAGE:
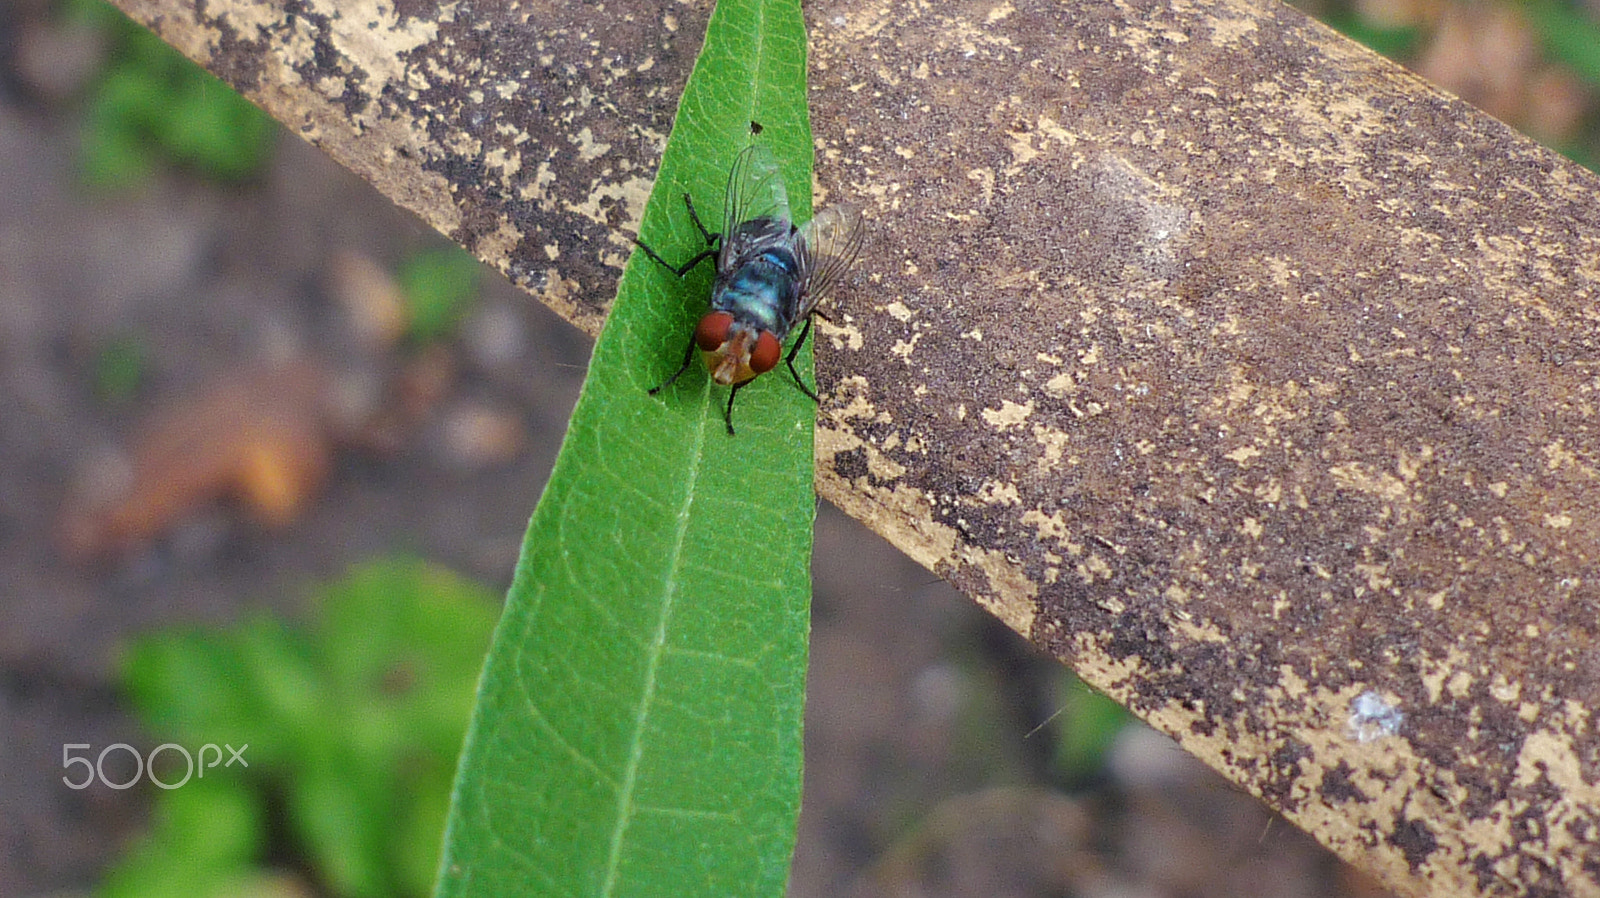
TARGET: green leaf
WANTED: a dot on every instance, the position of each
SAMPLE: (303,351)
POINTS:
(334,807)
(194,686)
(1569,36)
(115,153)
(1395,43)
(638,720)
(1086,725)
(439,287)
(119,367)
(354,726)
(152,102)
(214,825)
(206,125)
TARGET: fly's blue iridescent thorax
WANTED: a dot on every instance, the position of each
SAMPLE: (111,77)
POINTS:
(763,290)
(770,274)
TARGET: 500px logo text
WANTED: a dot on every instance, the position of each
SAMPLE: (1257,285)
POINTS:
(143,765)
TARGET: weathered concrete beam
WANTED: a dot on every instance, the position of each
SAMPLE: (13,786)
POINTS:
(1231,364)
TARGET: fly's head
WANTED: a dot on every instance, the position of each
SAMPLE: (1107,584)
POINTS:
(735,352)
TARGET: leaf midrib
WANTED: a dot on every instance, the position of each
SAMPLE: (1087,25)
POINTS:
(657,646)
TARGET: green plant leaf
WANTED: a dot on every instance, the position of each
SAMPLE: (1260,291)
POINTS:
(119,367)
(353,724)
(439,287)
(1568,35)
(638,721)
(214,826)
(1395,43)
(153,103)
(1086,725)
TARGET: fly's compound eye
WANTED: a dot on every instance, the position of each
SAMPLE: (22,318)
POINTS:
(764,357)
(712,331)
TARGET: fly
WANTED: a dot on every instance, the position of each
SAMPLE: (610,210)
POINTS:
(770,275)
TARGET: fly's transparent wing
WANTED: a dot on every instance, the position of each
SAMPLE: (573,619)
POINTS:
(827,245)
(755,194)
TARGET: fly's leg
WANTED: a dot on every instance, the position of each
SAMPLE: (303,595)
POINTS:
(710,237)
(789,360)
(688,358)
(727,414)
(680,271)
(685,268)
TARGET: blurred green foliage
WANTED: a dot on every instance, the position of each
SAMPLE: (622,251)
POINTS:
(1395,43)
(1085,727)
(152,105)
(1569,35)
(119,368)
(353,726)
(439,287)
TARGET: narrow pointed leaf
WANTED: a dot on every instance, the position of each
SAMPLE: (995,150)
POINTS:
(638,725)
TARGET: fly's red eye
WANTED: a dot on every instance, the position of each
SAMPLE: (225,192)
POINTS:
(764,357)
(712,331)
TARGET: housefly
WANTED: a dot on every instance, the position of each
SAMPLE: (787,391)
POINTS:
(770,275)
